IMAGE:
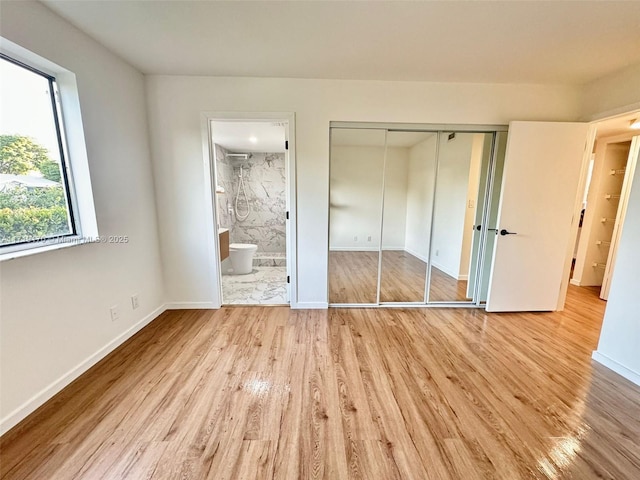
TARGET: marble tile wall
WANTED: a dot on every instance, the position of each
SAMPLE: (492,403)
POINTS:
(265,184)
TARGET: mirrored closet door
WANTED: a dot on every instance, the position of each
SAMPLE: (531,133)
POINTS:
(410,215)
(355,214)
(463,165)
(409,182)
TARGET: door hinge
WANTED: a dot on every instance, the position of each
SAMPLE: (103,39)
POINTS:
(288,279)
(287,215)
(286,144)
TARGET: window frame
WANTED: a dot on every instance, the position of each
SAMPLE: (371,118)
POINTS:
(62,151)
(65,103)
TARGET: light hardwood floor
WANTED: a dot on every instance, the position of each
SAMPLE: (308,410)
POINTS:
(353,278)
(262,393)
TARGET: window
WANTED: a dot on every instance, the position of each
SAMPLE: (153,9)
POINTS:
(45,191)
(34,190)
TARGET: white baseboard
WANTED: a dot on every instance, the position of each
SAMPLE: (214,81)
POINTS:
(616,367)
(444,269)
(574,282)
(353,249)
(425,259)
(191,306)
(310,306)
(40,398)
(463,277)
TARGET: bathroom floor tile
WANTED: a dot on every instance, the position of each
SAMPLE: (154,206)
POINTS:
(264,285)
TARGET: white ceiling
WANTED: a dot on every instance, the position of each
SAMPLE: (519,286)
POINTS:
(563,42)
(237,136)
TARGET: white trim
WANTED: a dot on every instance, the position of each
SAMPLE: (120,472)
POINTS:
(620,369)
(311,306)
(354,249)
(612,113)
(191,306)
(463,277)
(575,282)
(44,395)
(74,148)
(444,269)
(48,245)
(210,219)
(417,255)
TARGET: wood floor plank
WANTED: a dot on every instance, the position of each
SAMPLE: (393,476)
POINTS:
(270,393)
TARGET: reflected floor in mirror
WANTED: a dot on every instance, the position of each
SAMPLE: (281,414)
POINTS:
(445,288)
(353,277)
(274,393)
(263,286)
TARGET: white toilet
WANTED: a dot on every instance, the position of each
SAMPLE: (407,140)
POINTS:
(241,256)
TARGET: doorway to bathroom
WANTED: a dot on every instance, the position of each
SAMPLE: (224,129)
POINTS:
(250,165)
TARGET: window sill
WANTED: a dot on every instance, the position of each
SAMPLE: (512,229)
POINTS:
(52,245)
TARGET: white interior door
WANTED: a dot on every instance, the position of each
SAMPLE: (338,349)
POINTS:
(542,171)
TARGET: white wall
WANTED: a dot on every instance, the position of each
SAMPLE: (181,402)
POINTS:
(175,106)
(54,307)
(477,150)
(395,198)
(420,185)
(356,197)
(454,161)
(613,92)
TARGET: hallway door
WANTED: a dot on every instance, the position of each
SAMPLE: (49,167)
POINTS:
(539,186)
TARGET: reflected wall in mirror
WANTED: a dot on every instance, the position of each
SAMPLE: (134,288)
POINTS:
(463,163)
(492,215)
(355,214)
(410,169)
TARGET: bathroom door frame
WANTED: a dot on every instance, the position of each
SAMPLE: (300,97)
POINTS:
(211,202)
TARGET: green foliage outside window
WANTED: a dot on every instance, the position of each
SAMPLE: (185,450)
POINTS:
(28,213)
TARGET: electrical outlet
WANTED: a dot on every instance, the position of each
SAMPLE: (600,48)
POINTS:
(437,253)
(355,238)
(135,303)
(369,238)
(115,313)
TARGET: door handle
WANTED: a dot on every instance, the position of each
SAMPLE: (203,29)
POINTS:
(504,232)
(477,227)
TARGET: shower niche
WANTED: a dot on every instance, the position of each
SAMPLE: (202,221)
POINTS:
(411,214)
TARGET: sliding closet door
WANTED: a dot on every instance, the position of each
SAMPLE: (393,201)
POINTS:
(410,168)
(491,216)
(463,158)
(355,214)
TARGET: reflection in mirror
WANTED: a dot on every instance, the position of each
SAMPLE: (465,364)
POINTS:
(408,202)
(463,160)
(492,215)
(355,214)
